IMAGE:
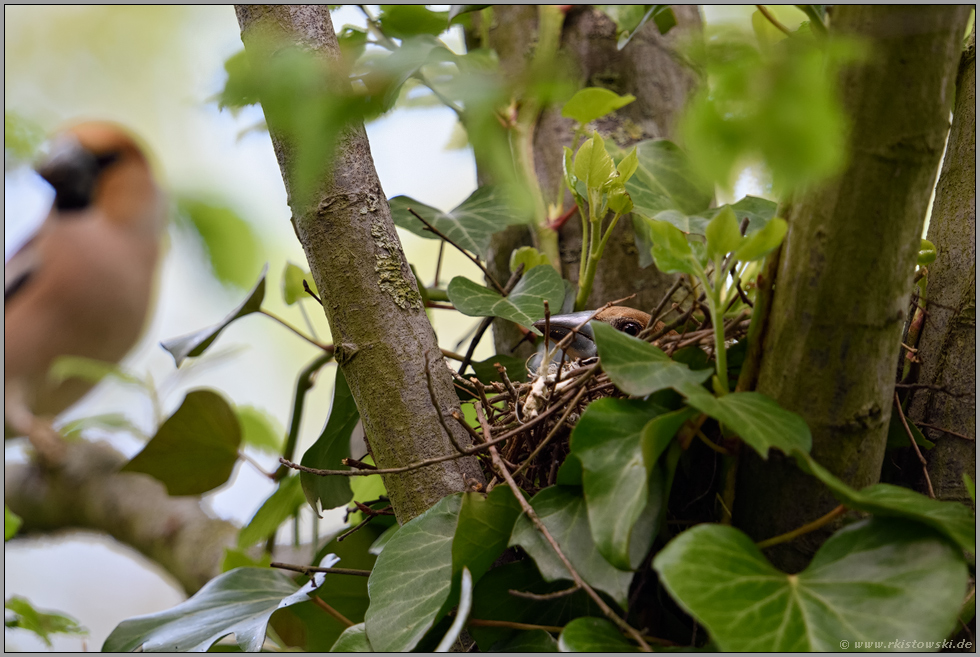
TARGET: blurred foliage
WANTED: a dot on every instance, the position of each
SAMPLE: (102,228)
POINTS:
(230,243)
(41,623)
(777,102)
(21,139)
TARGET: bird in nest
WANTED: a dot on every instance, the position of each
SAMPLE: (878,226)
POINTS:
(82,285)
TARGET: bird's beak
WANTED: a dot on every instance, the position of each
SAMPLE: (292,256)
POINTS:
(583,344)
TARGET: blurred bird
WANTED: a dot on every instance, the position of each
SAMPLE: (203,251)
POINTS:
(627,320)
(81,286)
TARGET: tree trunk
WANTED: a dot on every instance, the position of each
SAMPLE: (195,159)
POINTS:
(947,346)
(846,269)
(650,69)
(370,297)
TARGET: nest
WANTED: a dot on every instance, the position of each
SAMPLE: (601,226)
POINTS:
(533,421)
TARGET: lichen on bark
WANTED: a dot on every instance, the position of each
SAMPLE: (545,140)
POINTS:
(391,275)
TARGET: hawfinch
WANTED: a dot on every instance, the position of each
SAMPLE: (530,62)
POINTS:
(627,320)
(81,286)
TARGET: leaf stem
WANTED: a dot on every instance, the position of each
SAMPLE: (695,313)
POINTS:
(800,531)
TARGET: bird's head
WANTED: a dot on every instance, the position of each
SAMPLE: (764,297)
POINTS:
(627,320)
(100,163)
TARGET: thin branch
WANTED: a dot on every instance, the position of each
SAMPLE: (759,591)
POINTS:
(442,248)
(533,517)
(929,386)
(654,314)
(303,384)
(915,446)
(554,430)
(330,610)
(325,347)
(805,529)
(255,464)
(308,570)
(306,286)
(772,19)
(541,597)
(435,404)
(487,321)
(474,259)
(952,433)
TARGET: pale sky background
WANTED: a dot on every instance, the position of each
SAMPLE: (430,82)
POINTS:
(156,70)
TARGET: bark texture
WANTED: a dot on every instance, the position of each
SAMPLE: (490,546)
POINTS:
(89,493)
(947,347)
(370,297)
(650,69)
(847,266)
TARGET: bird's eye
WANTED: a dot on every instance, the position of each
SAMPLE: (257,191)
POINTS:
(631,328)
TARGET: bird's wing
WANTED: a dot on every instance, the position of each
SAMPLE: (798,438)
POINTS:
(18,270)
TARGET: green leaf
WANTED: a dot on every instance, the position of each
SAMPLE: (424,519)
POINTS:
(462,611)
(105,422)
(412,578)
(486,372)
(11,523)
(353,639)
(401,21)
(194,344)
(88,370)
(630,18)
(260,429)
(593,165)
(898,437)
(723,234)
(352,41)
(664,180)
(876,580)
(592,103)
(529,641)
(664,17)
(949,518)
(279,506)
(757,210)
(230,243)
(238,602)
(524,305)
(669,247)
(469,225)
(623,491)
(528,256)
(455,11)
(618,200)
(485,524)
(971,488)
(329,450)
(628,166)
(292,284)
(236,558)
(195,450)
(759,421)
(596,635)
(927,253)
(21,138)
(637,367)
(492,601)
(41,623)
(563,512)
(760,243)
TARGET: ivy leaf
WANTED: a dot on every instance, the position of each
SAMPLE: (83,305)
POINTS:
(623,491)
(292,284)
(723,234)
(89,370)
(259,429)
(630,18)
(329,450)
(637,367)
(758,420)
(470,224)
(11,523)
(353,639)
(563,512)
(949,518)
(455,11)
(664,180)
(593,103)
(233,249)
(485,524)
(898,437)
(238,602)
(235,558)
(195,450)
(593,165)
(401,21)
(528,256)
(194,344)
(596,635)
(762,242)
(41,623)
(529,641)
(279,506)
(669,247)
(412,579)
(876,580)
(524,305)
